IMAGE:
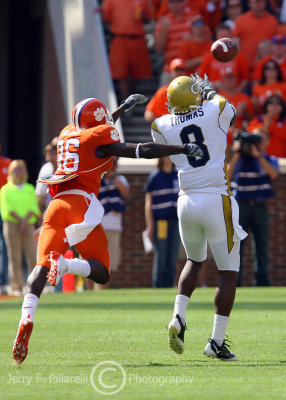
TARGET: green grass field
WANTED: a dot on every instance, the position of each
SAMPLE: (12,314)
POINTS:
(75,332)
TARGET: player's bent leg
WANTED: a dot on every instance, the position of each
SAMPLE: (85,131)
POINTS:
(188,278)
(90,268)
(98,272)
(35,284)
(186,286)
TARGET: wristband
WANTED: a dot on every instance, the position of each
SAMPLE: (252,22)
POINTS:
(137,150)
(209,94)
(125,106)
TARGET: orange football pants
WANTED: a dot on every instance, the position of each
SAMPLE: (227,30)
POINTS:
(63,211)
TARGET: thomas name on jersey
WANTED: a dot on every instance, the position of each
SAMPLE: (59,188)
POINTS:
(179,119)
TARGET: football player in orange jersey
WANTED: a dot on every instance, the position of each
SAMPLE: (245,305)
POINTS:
(85,153)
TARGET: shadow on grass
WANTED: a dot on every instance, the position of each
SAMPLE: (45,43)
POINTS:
(143,305)
(209,363)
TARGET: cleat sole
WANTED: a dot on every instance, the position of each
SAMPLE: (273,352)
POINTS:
(175,343)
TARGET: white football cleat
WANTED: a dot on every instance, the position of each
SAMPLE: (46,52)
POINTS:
(222,352)
(58,268)
(176,330)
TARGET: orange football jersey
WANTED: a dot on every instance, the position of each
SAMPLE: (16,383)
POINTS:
(77,157)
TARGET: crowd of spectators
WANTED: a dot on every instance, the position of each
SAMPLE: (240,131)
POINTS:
(185,29)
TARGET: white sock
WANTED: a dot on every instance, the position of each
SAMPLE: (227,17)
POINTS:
(77,267)
(181,305)
(219,328)
(29,306)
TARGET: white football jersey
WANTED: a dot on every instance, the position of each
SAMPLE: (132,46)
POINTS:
(207,127)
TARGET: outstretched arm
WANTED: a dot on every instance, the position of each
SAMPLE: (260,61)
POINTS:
(127,104)
(208,92)
(147,150)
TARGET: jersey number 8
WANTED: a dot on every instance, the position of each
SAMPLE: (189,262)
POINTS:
(196,132)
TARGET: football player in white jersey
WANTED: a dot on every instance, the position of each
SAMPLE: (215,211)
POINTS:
(207,210)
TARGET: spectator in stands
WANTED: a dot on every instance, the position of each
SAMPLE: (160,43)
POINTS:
(4,163)
(253,26)
(192,50)
(211,10)
(19,211)
(48,168)
(157,105)
(241,101)
(278,54)
(212,67)
(170,30)
(264,50)
(128,56)
(113,191)
(273,119)
(252,170)
(161,194)
(271,83)
(232,11)
(197,7)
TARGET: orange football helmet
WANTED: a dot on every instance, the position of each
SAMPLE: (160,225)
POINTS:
(89,113)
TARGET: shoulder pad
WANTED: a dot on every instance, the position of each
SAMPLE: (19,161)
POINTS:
(155,127)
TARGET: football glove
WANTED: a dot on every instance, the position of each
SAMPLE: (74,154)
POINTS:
(193,150)
(132,100)
(205,86)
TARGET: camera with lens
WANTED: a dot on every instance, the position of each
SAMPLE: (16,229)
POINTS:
(246,140)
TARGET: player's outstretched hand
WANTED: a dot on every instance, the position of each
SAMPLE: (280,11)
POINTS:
(204,85)
(132,100)
(193,150)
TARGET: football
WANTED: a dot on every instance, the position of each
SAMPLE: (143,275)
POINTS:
(224,50)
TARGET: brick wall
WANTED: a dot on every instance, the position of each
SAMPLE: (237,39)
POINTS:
(136,267)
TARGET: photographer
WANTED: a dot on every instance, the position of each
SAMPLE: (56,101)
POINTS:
(251,171)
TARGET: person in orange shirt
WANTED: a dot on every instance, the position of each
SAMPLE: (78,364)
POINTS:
(241,101)
(197,6)
(253,26)
(271,83)
(232,10)
(278,53)
(210,10)
(170,30)
(85,153)
(157,105)
(192,50)
(212,67)
(273,119)
(128,54)
(4,164)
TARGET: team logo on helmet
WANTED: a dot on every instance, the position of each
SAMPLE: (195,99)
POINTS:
(100,114)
